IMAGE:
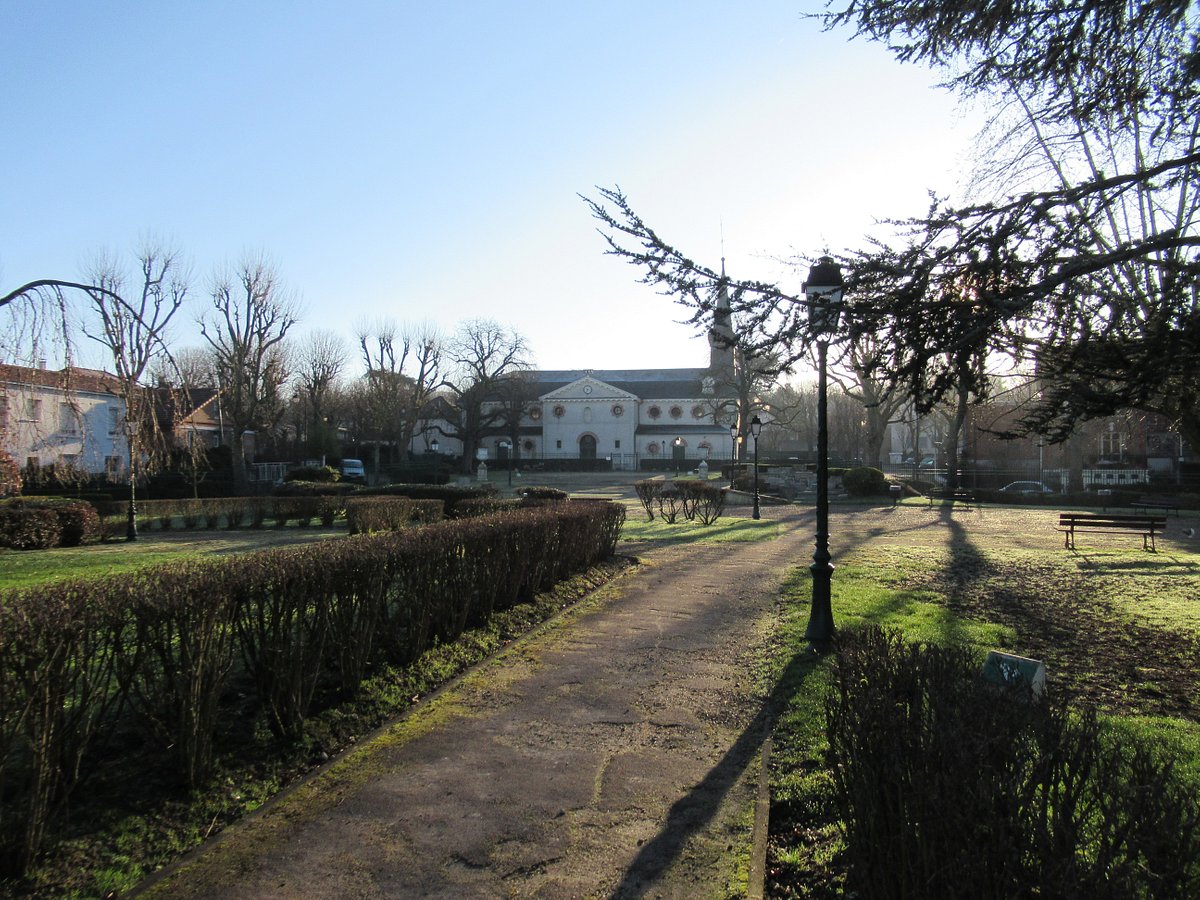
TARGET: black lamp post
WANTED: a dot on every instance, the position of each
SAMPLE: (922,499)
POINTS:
(733,454)
(506,446)
(678,453)
(755,429)
(823,289)
(131,533)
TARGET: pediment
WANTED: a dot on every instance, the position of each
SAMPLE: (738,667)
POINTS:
(588,388)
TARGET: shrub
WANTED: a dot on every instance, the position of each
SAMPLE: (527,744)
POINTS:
(450,494)
(365,515)
(486,506)
(28,528)
(983,793)
(534,493)
(312,474)
(702,500)
(76,522)
(10,476)
(314,489)
(865,481)
(647,493)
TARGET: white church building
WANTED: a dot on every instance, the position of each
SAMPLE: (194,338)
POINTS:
(630,418)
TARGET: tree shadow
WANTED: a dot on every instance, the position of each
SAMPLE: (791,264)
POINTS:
(690,814)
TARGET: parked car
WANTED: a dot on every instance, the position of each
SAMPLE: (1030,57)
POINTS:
(1027,487)
(353,470)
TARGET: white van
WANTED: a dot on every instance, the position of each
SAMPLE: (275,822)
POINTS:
(352,470)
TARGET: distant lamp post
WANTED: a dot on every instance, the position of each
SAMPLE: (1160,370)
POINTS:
(756,430)
(506,446)
(824,289)
(678,454)
(131,533)
(434,446)
(733,454)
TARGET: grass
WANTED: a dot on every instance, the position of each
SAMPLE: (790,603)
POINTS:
(25,568)
(1118,628)
(637,530)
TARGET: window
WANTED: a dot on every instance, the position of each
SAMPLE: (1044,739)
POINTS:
(535,413)
(114,419)
(1112,444)
(653,448)
(587,414)
(617,444)
(68,422)
(3,415)
(559,412)
(33,409)
(676,412)
(68,460)
(654,412)
(558,445)
(698,411)
(112,467)
(618,410)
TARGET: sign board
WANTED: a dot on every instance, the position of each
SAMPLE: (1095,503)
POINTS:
(1015,672)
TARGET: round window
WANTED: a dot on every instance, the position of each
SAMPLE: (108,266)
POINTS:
(618,410)
(559,412)
(654,412)
(698,411)
(535,413)
(676,412)
(653,448)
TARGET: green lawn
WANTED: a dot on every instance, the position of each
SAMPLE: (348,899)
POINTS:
(24,568)
(637,530)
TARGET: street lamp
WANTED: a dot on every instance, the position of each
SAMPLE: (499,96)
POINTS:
(733,454)
(755,429)
(131,533)
(678,454)
(506,446)
(824,289)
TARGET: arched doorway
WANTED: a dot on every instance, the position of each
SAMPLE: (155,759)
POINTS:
(587,446)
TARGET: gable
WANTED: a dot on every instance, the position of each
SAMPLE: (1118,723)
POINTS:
(588,388)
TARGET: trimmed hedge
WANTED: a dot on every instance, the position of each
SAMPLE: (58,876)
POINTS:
(450,494)
(155,650)
(950,786)
(865,481)
(44,522)
(365,515)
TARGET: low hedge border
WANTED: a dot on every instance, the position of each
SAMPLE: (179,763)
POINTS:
(155,651)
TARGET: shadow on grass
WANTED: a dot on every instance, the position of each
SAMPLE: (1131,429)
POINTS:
(692,812)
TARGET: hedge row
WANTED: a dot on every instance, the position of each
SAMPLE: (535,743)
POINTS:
(365,515)
(948,787)
(37,524)
(450,494)
(155,650)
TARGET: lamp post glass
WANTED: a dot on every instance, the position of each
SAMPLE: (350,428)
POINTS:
(823,289)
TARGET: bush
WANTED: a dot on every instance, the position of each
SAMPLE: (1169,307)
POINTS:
(986,793)
(365,515)
(543,493)
(76,522)
(28,528)
(450,494)
(647,493)
(312,474)
(865,482)
(486,506)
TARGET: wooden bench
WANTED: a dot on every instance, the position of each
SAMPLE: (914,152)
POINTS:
(1147,526)
(1156,503)
(966,498)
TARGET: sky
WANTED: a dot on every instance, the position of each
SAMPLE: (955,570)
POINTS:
(423,162)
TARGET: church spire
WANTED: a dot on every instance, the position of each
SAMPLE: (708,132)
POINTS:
(721,337)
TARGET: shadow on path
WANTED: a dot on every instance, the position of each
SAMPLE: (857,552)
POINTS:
(694,811)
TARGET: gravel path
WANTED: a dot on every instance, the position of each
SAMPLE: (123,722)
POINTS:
(612,754)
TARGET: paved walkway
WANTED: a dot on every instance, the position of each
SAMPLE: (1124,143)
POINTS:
(613,754)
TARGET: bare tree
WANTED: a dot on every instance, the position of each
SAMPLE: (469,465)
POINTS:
(403,369)
(882,398)
(133,331)
(251,317)
(320,360)
(484,354)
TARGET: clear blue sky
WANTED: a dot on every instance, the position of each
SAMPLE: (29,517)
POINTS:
(422,160)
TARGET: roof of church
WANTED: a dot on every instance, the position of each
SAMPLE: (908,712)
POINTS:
(648,384)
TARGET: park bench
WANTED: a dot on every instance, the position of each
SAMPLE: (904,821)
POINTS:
(1147,526)
(1156,503)
(966,498)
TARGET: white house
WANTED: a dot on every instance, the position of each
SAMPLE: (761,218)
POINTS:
(70,417)
(637,418)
